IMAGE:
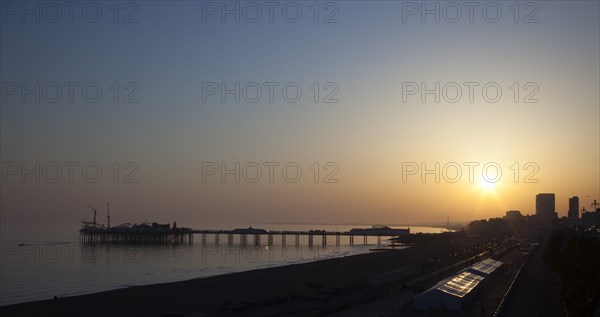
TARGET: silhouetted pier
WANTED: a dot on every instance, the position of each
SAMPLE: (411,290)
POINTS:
(108,236)
(94,232)
(283,235)
(157,233)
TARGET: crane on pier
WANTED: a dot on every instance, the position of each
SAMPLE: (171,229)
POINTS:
(95,212)
(91,224)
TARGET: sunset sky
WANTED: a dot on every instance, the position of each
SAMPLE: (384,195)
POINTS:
(170,57)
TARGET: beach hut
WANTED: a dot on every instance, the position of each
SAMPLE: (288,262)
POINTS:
(453,293)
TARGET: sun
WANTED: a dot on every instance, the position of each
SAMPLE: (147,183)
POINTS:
(487,186)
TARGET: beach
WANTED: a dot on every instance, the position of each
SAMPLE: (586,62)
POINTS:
(298,286)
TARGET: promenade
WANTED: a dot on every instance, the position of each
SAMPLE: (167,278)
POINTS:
(536,293)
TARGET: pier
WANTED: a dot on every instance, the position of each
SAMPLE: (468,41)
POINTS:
(285,237)
(375,231)
(155,233)
(112,236)
(247,236)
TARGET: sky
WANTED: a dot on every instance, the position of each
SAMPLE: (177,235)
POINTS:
(342,111)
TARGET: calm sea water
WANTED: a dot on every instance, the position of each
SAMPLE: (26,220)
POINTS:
(46,259)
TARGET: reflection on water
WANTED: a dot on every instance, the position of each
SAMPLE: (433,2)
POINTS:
(73,268)
(36,270)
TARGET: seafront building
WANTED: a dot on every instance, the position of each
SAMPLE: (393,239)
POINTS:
(573,213)
(591,219)
(545,206)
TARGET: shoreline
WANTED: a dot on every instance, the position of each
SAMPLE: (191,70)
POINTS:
(65,293)
(207,296)
(172,283)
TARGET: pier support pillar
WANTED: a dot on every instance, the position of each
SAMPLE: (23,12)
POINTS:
(270,240)
(283,239)
(351,240)
(324,242)
(243,239)
(204,239)
(297,239)
(230,239)
(310,240)
(257,239)
(337,239)
(364,239)
(217,239)
(378,240)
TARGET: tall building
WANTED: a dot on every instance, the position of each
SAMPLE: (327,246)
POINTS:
(545,206)
(573,208)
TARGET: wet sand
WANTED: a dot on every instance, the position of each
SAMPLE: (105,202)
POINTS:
(206,296)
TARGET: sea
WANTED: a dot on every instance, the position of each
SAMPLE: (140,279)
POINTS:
(47,259)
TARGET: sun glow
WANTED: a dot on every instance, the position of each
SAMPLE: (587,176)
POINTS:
(487,186)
